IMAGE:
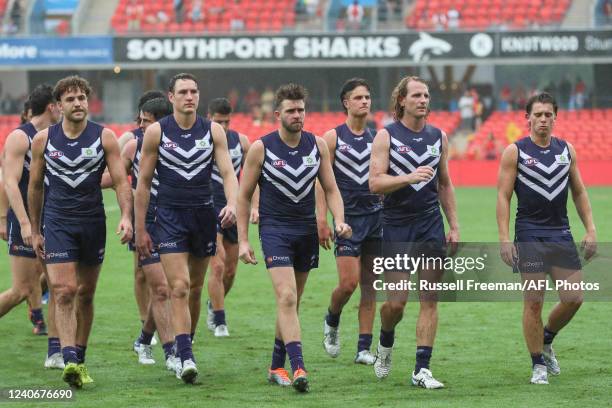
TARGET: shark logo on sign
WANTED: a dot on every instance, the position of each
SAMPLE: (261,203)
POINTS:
(426,45)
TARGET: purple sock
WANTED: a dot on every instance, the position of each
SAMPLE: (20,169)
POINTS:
(80,351)
(37,315)
(332,319)
(278,355)
(53,346)
(387,338)
(183,345)
(294,349)
(219,317)
(145,338)
(423,355)
(168,349)
(70,355)
(365,341)
(537,358)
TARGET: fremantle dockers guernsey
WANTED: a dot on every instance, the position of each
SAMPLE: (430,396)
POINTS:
(74,169)
(236,154)
(541,185)
(352,168)
(30,131)
(136,171)
(138,135)
(407,151)
(286,184)
(184,164)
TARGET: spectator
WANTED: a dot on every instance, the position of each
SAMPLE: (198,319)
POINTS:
(603,13)
(505,98)
(311,7)
(466,110)
(178,10)
(580,93)
(159,17)
(134,12)
(492,148)
(439,21)
(196,11)
(354,16)
(453,18)
(267,104)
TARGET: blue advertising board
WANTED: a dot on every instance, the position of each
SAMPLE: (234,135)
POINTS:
(56,51)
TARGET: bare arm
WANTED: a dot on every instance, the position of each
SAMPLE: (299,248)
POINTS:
(226,170)
(332,194)
(127,155)
(383,183)
(254,217)
(15,149)
(4,206)
(446,193)
(325,234)
(123,190)
(250,176)
(583,206)
(36,188)
(148,161)
(124,139)
(505,186)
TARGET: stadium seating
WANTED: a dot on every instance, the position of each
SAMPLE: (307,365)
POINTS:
(219,16)
(482,14)
(587,129)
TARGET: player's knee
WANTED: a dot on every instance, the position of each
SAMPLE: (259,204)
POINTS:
(64,293)
(573,300)
(229,274)
(180,290)
(287,298)
(396,308)
(428,307)
(216,269)
(348,286)
(139,277)
(161,293)
(534,307)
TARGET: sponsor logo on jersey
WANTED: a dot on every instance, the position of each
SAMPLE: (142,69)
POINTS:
(530,161)
(433,151)
(293,153)
(274,258)
(279,163)
(562,159)
(73,144)
(418,139)
(169,145)
(88,152)
(56,154)
(309,161)
(22,248)
(344,148)
(185,136)
(202,144)
(403,149)
(51,255)
(545,151)
(168,245)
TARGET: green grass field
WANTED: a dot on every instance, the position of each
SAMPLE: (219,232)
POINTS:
(479,352)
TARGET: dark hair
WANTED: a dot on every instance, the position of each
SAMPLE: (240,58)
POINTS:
(24,114)
(350,86)
(292,92)
(543,97)
(400,92)
(39,99)
(71,83)
(147,96)
(221,106)
(158,107)
(184,76)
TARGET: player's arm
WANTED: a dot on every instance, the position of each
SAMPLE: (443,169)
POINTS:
(505,187)
(330,188)
(325,234)
(148,161)
(226,170)
(254,217)
(250,176)
(446,193)
(117,172)
(36,188)
(382,183)
(4,206)
(15,149)
(124,139)
(583,206)
(127,155)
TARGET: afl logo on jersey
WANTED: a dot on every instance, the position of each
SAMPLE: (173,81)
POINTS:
(530,161)
(344,148)
(170,145)
(403,149)
(55,154)
(279,163)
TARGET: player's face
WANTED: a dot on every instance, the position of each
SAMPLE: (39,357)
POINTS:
(291,114)
(73,105)
(358,102)
(185,97)
(145,120)
(416,102)
(541,119)
(223,120)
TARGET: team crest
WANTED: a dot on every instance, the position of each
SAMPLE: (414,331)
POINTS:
(88,152)
(202,144)
(562,159)
(309,161)
(433,151)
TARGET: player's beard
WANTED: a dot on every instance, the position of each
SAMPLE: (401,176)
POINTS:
(292,127)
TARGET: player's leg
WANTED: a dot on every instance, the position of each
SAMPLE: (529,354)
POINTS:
(54,357)
(533,329)
(231,263)
(197,273)
(87,276)
(35,303)
(277,374)
(216,288)
(141,290)
(367,311)
(25,273)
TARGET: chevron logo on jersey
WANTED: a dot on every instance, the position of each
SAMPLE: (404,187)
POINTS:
(136,170)
(74,172)
(186,163)
(548,181)
(406,163)
(236,156)
(353,164)
(294,183)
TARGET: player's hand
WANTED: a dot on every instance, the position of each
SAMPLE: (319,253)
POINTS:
(452,239)
(254,217)
(227,216)
(3,229)
(508,252)
(589,245)
(144,244)
(38,243)
(422,173)
(343,230)
(325,234)
(26,233)
(246,253)
(125,230)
